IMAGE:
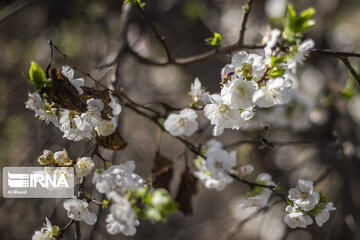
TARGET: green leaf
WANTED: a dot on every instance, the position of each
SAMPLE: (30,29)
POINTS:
(106,203)
(216,40)
(277,60)
(350,89)
(37,77)
(276,72)
(246,8)
(256,191)
(136,2)
(289,202)
(296,25)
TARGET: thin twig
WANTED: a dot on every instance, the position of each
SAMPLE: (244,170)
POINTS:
(333,53)
(195,58)
(347,63)
(254,184)
(246,12)
(237,228)
(77,230)
(157,34)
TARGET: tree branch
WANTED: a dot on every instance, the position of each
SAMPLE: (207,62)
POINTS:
(351,69)
(157,34)
(246,11)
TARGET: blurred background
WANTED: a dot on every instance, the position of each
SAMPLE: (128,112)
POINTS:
(315,137)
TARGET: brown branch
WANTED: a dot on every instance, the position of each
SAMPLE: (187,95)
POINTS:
(332,53)
(254,184)
(343,56)
(62,230)
(347,63)
(246,12)
(195,58)
(276,143)
(77,230)
(240,224)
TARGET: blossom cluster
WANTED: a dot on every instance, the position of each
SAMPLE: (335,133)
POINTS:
(303,202)
(76,125)
(214,171)
(83,165)
(249,81)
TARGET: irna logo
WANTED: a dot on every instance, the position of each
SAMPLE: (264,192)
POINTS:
(38,182)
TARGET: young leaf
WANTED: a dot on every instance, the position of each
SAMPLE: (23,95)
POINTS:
(216,40)
(296,25)
(37,76)
(135,2)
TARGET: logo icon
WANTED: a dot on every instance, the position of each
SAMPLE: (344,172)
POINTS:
(18,180)
(38,182)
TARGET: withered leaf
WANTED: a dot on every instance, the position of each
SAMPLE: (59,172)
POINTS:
(63,93)
(113,141)
(187,189)
(162,172)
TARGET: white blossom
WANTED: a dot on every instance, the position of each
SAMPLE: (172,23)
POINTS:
(42,109)
(303,195)
(276,92)
(118,178)
(116,107)
(184,123)
(210,146)
(45,233)
(222,116)
(246,170)
(219,183)
(259,197)
(324,215)
(198,93)
(270,37)
(221,161)
(238,93)
(106,127)
(295,218)
(61,157)
(250,66)
(214,172)
(46,158)
(299,54)
(84,166)
(77,209)
(122,218)
(74,126)
(68,72)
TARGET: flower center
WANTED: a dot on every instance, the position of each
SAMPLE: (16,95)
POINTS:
(218,165)
(223,108)
(247,71)
(182,122)
(304,195)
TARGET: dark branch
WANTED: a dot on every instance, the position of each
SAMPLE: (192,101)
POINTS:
(254,184)
(237,228)
(246,12)
(157,34)
(351,69)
